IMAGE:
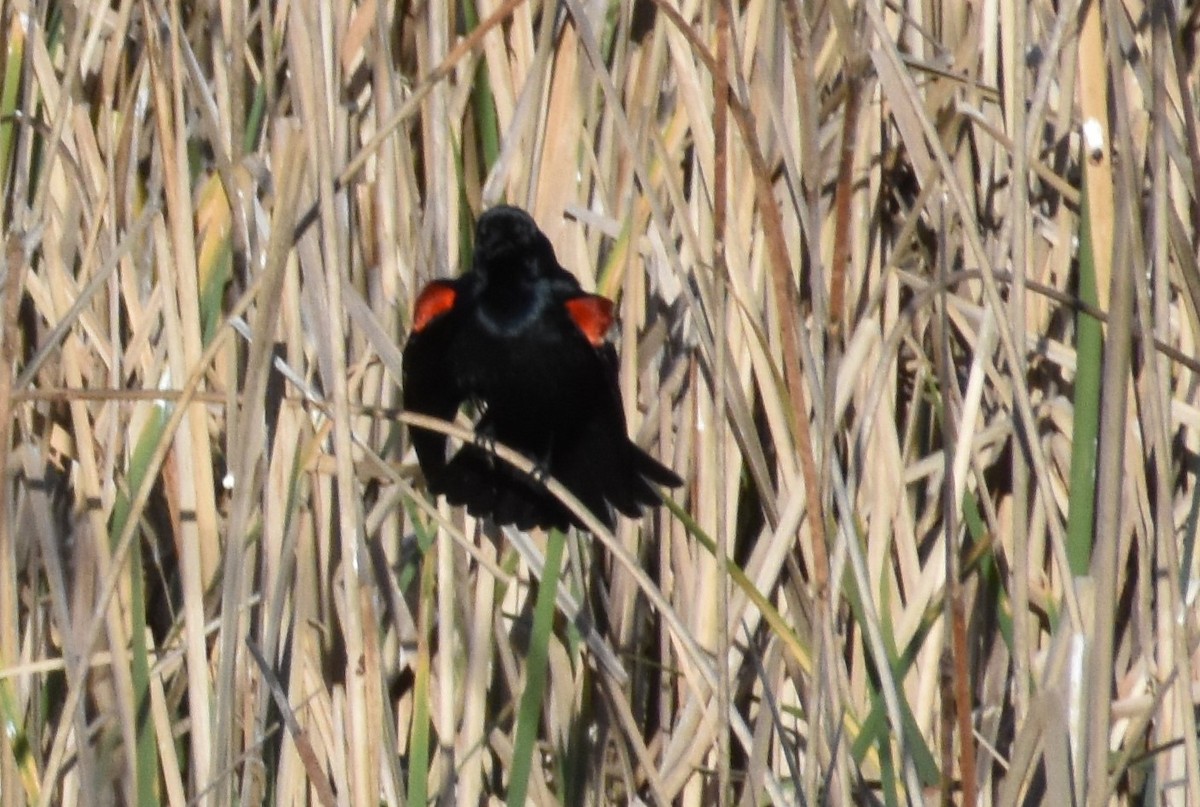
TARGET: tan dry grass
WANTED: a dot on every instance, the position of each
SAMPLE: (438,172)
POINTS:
(847,318)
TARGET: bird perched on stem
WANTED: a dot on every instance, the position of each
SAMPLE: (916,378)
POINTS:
(518,338)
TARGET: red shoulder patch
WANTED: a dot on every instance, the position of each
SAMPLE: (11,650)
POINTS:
(593,315)
(434,300)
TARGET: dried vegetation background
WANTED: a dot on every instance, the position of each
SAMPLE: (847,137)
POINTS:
(924,353)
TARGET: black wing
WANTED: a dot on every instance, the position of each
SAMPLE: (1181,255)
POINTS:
(601,465)
(430,385)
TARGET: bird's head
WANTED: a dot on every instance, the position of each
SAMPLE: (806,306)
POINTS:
(509,247)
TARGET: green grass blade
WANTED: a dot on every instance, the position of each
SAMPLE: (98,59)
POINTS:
(529,715)
(10,92)
(1089,351)
(419,742)
(146,754)
(18,739)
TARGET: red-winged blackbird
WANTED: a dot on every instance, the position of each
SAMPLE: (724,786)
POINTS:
(517,337)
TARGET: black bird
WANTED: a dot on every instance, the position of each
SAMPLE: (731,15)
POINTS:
(518,338)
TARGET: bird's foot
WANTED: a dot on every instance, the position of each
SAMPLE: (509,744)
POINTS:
(540,472)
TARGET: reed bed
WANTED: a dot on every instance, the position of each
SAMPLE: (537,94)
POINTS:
(908,292)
